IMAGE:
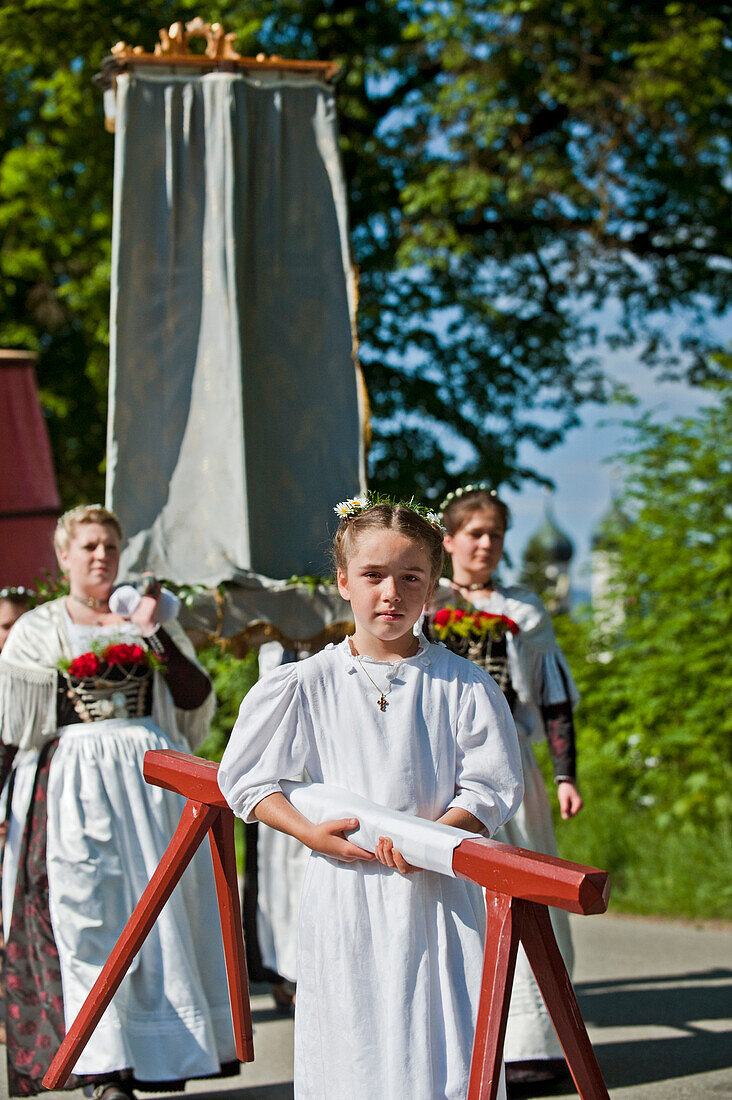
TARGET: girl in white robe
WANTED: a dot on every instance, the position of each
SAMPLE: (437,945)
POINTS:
(389,957)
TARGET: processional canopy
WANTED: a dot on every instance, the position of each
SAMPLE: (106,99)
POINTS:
(235,410)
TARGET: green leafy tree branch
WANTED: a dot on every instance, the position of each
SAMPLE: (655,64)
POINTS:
(656,682)
(512,168)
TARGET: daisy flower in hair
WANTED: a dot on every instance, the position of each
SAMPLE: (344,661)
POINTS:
(435,519)
(352,506)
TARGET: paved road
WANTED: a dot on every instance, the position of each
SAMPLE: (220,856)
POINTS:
(657,998)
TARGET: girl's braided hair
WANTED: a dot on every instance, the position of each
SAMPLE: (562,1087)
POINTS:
(388,517)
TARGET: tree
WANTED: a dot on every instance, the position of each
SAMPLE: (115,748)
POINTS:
(657,712)
(509,163)
(56,165)
(511,166)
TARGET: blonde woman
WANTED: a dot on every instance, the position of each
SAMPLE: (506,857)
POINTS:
(84,694)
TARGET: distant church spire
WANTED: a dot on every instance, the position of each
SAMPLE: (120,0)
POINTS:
(546,562)
(607,608)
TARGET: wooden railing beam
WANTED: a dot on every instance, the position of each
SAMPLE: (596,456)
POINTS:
(519,885)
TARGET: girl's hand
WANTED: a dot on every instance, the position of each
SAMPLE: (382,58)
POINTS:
(328,839)
(570,800)
(387,854)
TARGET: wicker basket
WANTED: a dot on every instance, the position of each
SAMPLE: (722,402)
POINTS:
(491,654)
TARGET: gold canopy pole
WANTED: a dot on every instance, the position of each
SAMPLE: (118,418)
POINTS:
(173,51)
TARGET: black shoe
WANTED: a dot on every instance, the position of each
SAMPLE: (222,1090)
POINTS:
(521,1076)
(113,1090)
(284,1000)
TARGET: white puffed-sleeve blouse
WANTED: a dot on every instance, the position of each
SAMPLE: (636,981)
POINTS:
(445,739)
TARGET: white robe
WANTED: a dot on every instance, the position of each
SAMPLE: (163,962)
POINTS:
(281,865)
(389,967)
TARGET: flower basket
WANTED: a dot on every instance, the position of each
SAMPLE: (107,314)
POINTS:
(481,637)
(111,683)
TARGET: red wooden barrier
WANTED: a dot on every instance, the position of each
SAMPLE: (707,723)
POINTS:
(204,812)
(519,885)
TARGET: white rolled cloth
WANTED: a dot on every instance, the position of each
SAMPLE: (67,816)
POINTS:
(423,843)
(125,599)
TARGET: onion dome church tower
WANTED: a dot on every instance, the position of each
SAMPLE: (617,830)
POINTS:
(606,606)
(546,563)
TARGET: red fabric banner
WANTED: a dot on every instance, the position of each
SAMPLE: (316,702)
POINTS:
(29,500)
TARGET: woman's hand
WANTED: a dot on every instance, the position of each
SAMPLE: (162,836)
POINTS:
(145,615)
(387,854)
(328,839)
(570,800)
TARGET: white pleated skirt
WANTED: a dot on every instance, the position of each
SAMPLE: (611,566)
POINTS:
(530,1034)
(389,974)
(107,831)
(282,862)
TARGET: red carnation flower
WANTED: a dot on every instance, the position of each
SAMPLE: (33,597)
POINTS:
(122,654)
(512,626)
(442,617)
(458,614)
(87,664)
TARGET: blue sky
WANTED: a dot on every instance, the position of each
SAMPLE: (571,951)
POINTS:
(578,466)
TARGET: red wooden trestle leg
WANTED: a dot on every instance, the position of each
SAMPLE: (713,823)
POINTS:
(502,932)
(221,836)
(196,820)
(512,920)
(556,988)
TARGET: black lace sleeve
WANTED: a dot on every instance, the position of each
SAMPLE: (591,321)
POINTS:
(559,725)
(189,685)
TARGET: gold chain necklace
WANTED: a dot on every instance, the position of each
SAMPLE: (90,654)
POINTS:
(92,602)
(382,702)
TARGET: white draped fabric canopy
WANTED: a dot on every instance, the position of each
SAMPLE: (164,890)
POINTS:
(234,422)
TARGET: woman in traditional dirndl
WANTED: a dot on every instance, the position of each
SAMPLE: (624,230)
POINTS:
(84,694)
(516,644)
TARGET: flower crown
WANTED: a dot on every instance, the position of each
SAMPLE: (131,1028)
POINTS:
(77,510)
(356,506)
(17,591)
(480,487)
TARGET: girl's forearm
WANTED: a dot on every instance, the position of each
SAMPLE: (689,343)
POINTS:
(278,813)
(328,838)
(462,819)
